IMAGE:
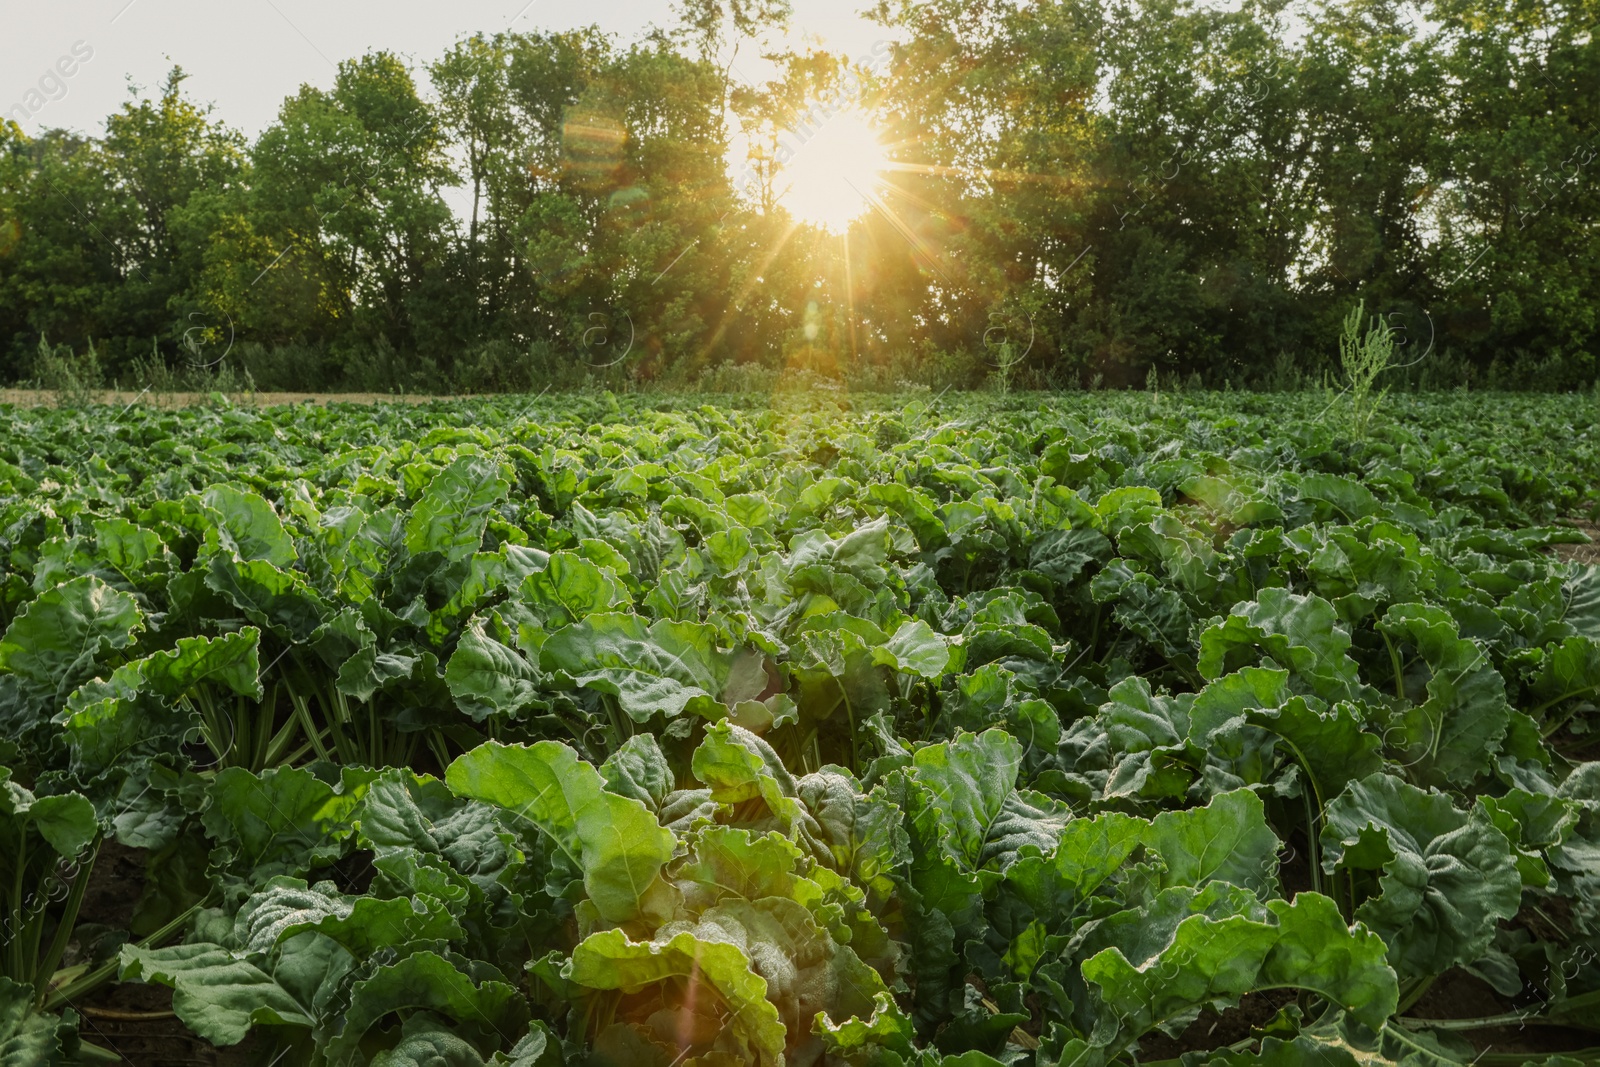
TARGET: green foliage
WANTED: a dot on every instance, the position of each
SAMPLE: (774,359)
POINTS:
(1364,358)
(908,731)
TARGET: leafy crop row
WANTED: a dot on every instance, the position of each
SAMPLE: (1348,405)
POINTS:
(947,733)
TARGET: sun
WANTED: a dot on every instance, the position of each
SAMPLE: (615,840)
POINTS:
(831,177)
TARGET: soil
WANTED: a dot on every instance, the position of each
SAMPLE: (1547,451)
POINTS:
(1589,553)
(1213,1031)
(1458,995)
(35,398)
(132,1019)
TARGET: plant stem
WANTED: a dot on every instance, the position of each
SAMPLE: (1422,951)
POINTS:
(1412,992)
(303,712)
(1398,665)
(1555,727)
(97,1054)
(65,926)
(87,981)
(855,751)
(18,905)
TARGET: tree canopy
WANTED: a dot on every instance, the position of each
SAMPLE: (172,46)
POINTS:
(1116,190)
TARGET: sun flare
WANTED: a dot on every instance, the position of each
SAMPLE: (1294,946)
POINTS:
(830,179)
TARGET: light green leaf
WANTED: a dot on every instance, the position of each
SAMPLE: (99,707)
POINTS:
(569,589)
(248,526)
(1228,840)
(738,766)
(1215,960)
(639,770)
(1300,634)
(664,667)
(972,806)
(614,840)
(1453,735)
(454,511)
(60,635)
(362,925)
(608,960)
(916,649)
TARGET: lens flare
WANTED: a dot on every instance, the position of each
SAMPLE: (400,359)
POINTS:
(830,179)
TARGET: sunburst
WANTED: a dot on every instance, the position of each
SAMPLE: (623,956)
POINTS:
(831,177)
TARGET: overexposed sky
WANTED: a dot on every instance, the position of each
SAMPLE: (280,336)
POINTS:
(245,56)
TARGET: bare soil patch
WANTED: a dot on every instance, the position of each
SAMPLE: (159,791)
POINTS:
(1589,553)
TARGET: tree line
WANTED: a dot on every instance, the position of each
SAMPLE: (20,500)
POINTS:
(1083,193)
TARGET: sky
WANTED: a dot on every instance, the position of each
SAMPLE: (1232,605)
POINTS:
(245,56)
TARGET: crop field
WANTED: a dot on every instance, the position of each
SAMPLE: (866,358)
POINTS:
(1048,731)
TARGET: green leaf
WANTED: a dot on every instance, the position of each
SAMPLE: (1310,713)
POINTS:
(1146,606)
(427,842)
(1346,498)
(217,993)
(278,600)
(1569,671)
(860,834)
(1453,735)
(738,766)
(1228,840)
(1127,506)
(1089,852)
(1276,1052)
(639,770)
(1145,741)
(1448,875)
(1063,555)
(248,526)
(137,710)
(487,678)
(1533,823)
(569,589)
(285,821)
(1316,951)
(972,806)
(424,1043)
(664,667)
(488,1011)
(1207,961)
(454,511)
(608,960)
(1580,597)
(361,925)
(1300,634)
(1334,747)
(725,861)
(129,548)
(916,649)
(1216,960)
(27,1038)
(886,1028)
(232,661)
(614,840)
(66,821)
(995,696)
(60,636)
